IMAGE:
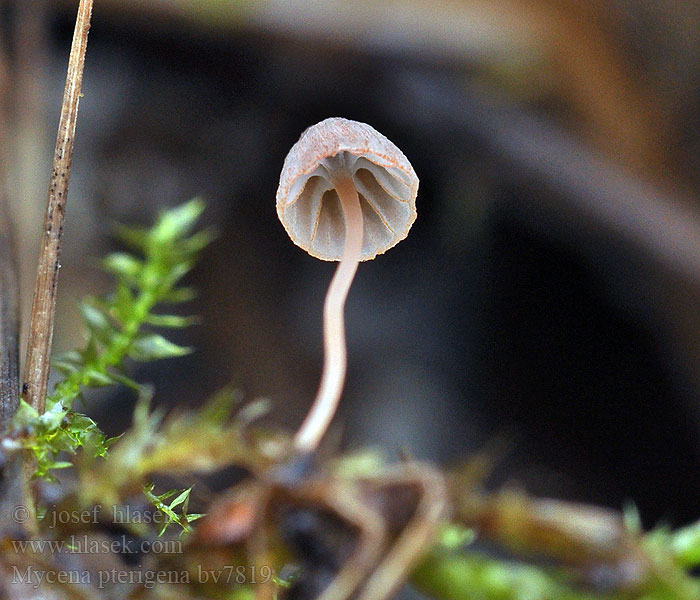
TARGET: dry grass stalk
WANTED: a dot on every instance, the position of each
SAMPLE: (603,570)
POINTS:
(36,369)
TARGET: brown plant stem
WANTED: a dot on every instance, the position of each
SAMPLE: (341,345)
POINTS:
(36,368)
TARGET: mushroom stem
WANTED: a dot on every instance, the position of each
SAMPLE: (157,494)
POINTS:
(319,417)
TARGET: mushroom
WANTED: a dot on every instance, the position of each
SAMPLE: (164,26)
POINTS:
(346,193)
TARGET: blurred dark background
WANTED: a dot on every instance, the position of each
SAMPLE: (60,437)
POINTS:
(549,291)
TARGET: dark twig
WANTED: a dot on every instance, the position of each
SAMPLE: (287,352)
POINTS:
(36,369)
(11,475)
(9,319)
(9,350)
(11,480)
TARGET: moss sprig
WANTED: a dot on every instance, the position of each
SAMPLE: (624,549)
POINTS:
(170,510)
(118,328)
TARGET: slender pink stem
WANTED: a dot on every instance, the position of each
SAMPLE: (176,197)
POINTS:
(335,355)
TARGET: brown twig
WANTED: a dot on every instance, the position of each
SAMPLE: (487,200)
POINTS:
(36,369)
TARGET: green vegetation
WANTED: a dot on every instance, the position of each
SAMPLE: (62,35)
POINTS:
(117,329)
(115,472)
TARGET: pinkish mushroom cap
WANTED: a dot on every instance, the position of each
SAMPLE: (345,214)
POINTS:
(309,207)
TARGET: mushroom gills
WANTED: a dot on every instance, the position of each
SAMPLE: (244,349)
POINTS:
(304,213)
(392,180)
(315,216)
(388,207)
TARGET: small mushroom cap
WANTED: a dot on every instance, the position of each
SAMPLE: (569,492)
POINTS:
(309,207)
